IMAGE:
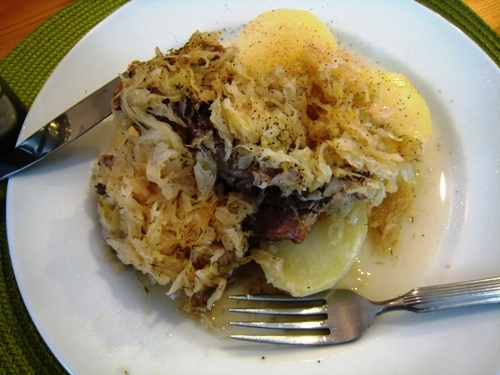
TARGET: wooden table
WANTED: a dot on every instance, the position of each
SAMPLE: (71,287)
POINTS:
(20,17)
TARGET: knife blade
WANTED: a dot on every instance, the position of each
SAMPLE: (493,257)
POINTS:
(62,130)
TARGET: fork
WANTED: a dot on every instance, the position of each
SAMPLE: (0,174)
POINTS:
(341,315)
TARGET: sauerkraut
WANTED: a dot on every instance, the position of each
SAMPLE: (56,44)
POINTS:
(205,140)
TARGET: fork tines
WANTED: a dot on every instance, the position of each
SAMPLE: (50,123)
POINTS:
(311,306)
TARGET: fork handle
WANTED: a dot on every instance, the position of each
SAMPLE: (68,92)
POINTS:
(447,296)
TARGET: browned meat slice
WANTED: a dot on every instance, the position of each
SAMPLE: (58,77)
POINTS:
(276,223)
(283,218)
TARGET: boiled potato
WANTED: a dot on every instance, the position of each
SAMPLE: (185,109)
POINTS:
(282,37)
(395,93)
(324,257)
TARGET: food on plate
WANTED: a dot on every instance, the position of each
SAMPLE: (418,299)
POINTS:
(250,152)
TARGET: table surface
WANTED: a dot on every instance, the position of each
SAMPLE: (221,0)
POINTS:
(21,17)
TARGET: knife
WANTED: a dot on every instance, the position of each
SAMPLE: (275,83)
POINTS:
(62,130)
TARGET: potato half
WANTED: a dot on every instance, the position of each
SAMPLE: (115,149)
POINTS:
(324,257)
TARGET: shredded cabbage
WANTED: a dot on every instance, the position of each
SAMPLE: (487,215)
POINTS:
(321,133)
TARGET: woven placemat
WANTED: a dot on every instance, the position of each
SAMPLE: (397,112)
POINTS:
(22,350)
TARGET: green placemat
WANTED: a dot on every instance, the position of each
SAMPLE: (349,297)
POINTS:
(22,350)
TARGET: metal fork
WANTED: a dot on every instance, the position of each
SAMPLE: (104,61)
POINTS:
(339,316)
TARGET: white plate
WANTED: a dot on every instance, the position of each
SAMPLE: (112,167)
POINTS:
(97,318)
